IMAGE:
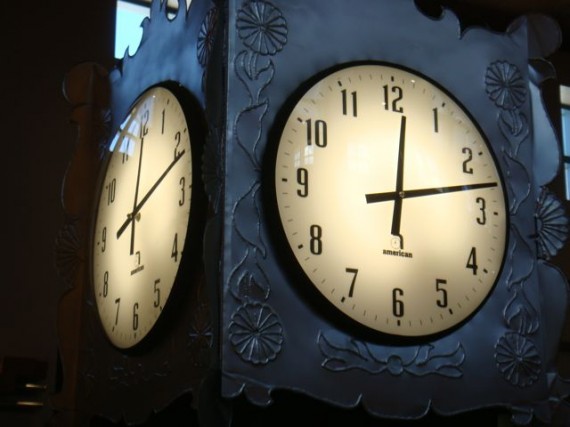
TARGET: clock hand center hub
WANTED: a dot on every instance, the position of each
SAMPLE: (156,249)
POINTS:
(133,215)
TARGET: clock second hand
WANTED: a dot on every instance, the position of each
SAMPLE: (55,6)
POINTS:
(138,207)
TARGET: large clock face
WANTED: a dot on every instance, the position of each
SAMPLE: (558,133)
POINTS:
(142,217)
(391,200)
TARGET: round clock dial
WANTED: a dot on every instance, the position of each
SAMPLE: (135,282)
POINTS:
(391,200)
(142,217)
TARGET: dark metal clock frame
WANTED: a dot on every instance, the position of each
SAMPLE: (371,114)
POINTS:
(276,337)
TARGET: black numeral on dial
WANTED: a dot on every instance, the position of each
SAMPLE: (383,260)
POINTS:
(317,133)
(125,148)
(103,239)
(316,244)
(135,316)
(118,304)
(482,218)
(354,272)
(435,120)
(105,284)
(469,154)
(174,253)
(397,303)
(156,302)
(177,138)
(182,191)
(472,261)
(392,96)
(144,124)
(303,181)
(440,288)
(349,100)
(111,190)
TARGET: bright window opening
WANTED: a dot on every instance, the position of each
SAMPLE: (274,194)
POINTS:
(128,30)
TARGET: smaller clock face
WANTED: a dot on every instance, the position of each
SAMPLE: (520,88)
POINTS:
(391,200)
(142,217)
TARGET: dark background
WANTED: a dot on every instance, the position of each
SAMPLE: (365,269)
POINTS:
(40,42)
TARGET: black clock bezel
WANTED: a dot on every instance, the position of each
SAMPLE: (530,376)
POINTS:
(291,267)
(190,265)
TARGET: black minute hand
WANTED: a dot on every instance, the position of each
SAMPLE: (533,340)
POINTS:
(139,205)
(137,194)
(408,194)
(397,213)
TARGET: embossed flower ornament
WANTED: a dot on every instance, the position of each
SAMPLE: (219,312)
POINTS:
(206,36)
(517,359)
(262,27)
(505,85)
(68,257)
(256,333)
(551,224)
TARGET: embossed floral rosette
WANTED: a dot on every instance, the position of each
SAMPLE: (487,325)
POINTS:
(255,332)
(519,359)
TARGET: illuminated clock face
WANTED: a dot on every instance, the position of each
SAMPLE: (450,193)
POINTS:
(391,200)
(142,217)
